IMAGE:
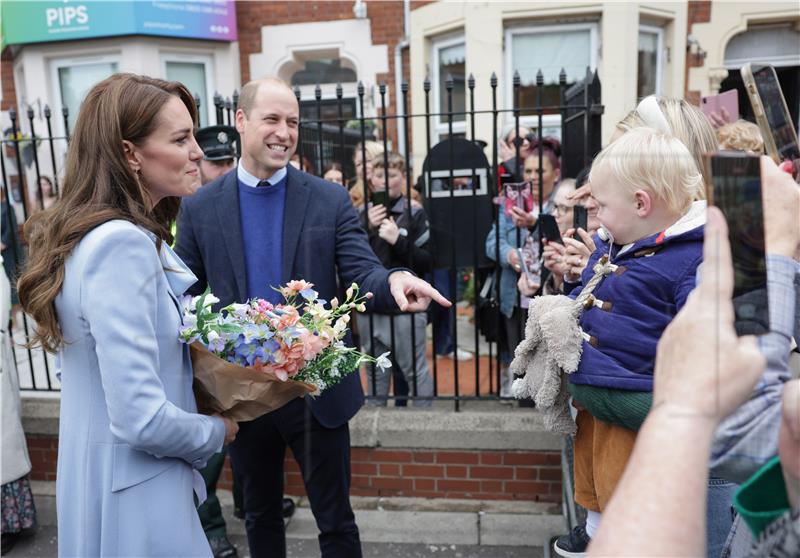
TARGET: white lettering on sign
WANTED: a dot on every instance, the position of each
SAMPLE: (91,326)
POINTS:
(66,16)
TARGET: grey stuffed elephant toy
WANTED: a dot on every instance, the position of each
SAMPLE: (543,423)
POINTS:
(551,349)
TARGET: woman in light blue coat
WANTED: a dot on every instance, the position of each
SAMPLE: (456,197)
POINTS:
(102,285)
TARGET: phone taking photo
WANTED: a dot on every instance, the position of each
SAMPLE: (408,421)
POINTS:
(548,228)
(580,220)
(736,179)
(728,100)
(772,114)
(379,197)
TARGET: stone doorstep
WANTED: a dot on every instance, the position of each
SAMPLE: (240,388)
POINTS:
(402,520)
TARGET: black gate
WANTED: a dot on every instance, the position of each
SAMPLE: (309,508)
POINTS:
(466,201)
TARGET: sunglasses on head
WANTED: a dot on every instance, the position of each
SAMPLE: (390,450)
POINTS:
(518,141)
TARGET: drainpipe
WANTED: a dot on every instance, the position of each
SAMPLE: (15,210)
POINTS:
(398,78)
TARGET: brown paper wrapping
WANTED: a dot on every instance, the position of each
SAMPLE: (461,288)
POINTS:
(237,392)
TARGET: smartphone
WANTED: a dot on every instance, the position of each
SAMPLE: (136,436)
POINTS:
(548,228)
(517,194)
(379,197)
(580,220)
(736,191)
(528,264)
(728,100)
(772,114)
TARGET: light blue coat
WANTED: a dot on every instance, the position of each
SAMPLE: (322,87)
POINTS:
(129,436)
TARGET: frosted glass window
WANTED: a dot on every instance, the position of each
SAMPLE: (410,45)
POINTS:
(75,82)
(193,76)
(549,52)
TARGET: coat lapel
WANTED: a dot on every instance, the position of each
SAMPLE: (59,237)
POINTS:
(230,227)
(297,196)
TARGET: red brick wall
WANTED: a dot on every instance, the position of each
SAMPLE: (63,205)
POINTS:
(7,79)
(483,475)
(699,11)
(386,19)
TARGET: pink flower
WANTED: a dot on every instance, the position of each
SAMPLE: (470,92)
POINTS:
(312,345)
(288,361)
(295,286)
(287,317)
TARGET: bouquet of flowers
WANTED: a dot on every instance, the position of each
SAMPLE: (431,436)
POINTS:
(252,358)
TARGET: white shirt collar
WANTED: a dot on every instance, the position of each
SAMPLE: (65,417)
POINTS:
(250,180)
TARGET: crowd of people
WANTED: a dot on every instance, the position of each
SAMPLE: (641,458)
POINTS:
(683,428)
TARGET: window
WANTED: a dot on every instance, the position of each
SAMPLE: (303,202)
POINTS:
(449,60)
(320,71)
(648,61)
(194,72)
(329,110)
(572,47)
(75,77)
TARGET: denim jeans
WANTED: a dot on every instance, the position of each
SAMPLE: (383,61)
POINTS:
(719,515)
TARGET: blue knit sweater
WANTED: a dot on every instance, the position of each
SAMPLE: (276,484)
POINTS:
(653,280)
(261,211)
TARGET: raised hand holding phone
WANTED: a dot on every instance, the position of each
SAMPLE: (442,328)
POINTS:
(772,114)
(737,192)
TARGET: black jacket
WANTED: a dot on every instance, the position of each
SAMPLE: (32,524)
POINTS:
(414,246)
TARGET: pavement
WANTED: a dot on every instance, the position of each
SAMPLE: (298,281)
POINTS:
(390,527)
(44,544)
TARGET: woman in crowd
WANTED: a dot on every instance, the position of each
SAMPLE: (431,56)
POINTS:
(363,169)
(516,231)
(48,192)
(513,149)
(101,284)
(552,255)
(333,173)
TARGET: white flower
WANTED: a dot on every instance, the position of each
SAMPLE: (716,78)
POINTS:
(210,300)
(383,361)
(334,372)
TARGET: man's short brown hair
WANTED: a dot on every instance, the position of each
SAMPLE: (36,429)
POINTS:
(248,95)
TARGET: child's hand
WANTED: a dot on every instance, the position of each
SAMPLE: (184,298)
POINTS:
(376,215)
(389,231)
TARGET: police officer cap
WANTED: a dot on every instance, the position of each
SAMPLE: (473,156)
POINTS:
(217,142)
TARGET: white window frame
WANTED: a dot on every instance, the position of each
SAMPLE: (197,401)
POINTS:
(208,63)
(70,62)
(480,190)
(440,126)
(659,33)
(548,120)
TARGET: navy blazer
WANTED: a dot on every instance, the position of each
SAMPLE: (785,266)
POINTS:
(322,237)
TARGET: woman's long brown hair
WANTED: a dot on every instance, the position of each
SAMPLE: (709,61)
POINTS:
(99,185)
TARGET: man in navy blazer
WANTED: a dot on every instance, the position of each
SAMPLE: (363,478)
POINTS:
(261,225)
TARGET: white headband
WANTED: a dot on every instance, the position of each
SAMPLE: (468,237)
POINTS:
(651,113)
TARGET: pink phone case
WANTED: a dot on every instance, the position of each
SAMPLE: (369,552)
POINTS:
(729,100)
